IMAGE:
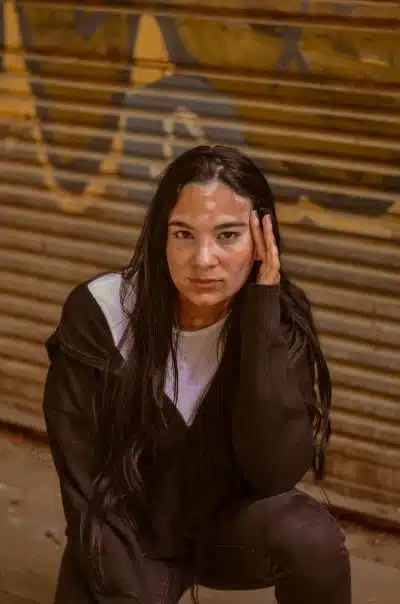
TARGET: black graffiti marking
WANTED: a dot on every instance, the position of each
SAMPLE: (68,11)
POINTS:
(291,51)
(86,24)
(1,33)
(291,37)
(345,9)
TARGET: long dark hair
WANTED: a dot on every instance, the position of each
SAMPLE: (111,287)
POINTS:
(125,430)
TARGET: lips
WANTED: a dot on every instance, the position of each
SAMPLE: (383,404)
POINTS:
(204,284)
(205,281)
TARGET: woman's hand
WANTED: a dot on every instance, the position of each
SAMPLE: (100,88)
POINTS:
(266,250)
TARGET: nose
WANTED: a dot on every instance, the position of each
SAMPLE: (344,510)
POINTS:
(204,254)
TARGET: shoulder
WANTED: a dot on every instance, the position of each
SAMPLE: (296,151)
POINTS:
(92,321)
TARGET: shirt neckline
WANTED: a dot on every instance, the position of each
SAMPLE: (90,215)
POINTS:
(202,330)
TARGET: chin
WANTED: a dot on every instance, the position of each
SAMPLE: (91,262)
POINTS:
(205,299)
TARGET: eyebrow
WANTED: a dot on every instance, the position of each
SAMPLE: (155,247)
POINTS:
(222,225)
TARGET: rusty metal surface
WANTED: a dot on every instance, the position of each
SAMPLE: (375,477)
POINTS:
(94,102)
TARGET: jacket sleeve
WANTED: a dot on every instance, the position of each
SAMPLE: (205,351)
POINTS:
(68,394)
(272,432)
(69,387)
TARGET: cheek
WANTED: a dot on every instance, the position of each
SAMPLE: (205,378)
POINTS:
(241,257)
(175,259)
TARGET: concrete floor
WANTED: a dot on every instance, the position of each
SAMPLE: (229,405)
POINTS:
(32,527)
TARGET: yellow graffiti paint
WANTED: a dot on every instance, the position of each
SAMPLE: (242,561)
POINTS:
(149,45)
(241,47)
(235,49)
(286,50)
(305,209)
(27,111)
(395,208)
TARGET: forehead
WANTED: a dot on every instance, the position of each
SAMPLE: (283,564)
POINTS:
(212,198)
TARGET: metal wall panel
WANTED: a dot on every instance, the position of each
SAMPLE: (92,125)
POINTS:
(95,101)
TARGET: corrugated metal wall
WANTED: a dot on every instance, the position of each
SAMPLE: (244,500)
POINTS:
(94,102)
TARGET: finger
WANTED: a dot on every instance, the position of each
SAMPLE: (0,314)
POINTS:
(259,241)
(275,261)
(273,253)
(275,264)
(269,240)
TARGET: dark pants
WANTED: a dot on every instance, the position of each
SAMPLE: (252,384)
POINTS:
(289,541)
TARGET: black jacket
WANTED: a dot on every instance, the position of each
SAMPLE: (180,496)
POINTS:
(263,443)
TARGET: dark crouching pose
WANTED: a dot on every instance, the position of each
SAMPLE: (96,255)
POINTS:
(181,407)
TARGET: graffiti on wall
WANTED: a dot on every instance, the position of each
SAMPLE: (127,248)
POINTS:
(104,99)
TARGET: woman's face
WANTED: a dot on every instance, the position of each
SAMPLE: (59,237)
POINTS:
(210,249)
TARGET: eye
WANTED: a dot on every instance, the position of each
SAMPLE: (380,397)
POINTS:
(182,234)
(228,236)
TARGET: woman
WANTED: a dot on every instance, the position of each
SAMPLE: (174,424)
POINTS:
(181,410)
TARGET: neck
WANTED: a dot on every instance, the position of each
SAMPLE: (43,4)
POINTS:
(192,317)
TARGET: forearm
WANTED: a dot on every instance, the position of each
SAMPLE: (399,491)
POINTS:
(272,435)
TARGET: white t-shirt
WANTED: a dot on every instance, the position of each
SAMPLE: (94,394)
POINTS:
(198,351)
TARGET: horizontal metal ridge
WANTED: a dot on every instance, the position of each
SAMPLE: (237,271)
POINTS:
(366,404)
(234,124)
(359,328)
(34,289)
(47,217)
(52,252)
(363,450)
(97,214)
(121,183)
(368,278)
(330,296)
(339,22)
(36,239)
(14,143)
(25,305)
(362,378)
(24,392)
(362,354)
(373,430)
(24,330)
(77,176)
(361,87)
(390,116)
(18,371)
(56,246)
(63,270)
(323,243)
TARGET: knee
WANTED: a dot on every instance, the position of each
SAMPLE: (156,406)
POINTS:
(319,551)
(308,541)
